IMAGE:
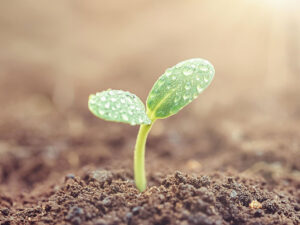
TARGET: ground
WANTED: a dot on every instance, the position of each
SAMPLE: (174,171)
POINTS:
(230,157)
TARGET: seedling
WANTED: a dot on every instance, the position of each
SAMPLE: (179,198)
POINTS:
(176,88)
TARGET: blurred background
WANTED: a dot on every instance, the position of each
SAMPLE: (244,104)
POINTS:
(53,54)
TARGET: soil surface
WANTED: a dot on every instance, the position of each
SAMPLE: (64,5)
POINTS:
(230,157)
(72,168)
(106,197)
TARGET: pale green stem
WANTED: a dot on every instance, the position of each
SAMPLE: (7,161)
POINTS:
(139,157)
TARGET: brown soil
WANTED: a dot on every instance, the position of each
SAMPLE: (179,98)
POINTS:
(70,167)
(106,197)
(237,147)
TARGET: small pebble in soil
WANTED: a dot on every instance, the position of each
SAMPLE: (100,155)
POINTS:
(255,205)
(271,206)
(129,217)
(205,181)
(106,202)
(233,194)
(136,210)
(5,211)
(258,213)
(74,215)
(101,176)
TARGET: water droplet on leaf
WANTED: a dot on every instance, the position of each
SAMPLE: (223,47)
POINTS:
(177,98)
(125,117)
(187,71)
(168,72)
(204,69)
(187,86)
(199,89)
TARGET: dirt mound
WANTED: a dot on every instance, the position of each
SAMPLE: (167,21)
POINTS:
(103,197)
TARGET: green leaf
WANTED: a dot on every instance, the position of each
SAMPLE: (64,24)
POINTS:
(178,86)
(118,106)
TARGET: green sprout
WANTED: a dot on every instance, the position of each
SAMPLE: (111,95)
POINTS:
(176,88)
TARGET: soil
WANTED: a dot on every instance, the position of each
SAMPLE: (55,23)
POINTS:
(230,157)
(72,168)
(106,197)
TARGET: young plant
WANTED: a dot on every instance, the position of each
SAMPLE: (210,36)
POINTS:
(176,88)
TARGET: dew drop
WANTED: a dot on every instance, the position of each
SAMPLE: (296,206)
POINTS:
(168,72)
(177,98)
(132,123)
(206,77)
(160,83)
(185,97)
(174,78)
(150,97)
(187,86)
(111,93)
(118,105)
(204,69)
(123,100)
(113,108)
(199,89)
(195,95)
(114,115)
(129,100)
(113,99)
(103,99)
(178,65)
(130,112)
(92,101)
(187,71)
(101,112)
(141,120)
(107,105)
(125,117)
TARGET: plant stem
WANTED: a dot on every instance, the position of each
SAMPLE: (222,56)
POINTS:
(139,157)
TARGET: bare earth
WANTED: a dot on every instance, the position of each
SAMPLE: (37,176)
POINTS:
(231,157)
